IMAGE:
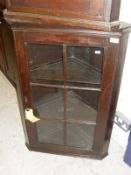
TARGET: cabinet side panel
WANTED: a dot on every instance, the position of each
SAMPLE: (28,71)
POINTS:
(109,68)
(116,87)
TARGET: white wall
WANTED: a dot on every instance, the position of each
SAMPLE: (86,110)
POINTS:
(124,103)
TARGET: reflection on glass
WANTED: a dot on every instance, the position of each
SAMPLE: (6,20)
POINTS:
(61,96)
(80,135)
(82,105)
(48,102)
(50,132)
(46,63)
(84,64)
(72,104)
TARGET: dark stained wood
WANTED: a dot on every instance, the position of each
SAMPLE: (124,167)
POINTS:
(110,62)
(7,38)
(67,37)
(58,37)
(62,86)
(31,20)
(7,53)
(37,25)
(23,89)
(2,52)
(2,4)
(62,151)
(99,10)
(116,87)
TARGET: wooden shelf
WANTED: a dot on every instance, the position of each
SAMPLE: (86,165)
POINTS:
(78,135)
(77,72)
(78,109)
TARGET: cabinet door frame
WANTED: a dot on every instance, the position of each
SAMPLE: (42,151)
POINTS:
(22,38)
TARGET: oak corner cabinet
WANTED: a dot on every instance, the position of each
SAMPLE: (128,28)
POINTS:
(70,57)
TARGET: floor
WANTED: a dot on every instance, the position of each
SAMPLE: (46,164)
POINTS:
(16,159)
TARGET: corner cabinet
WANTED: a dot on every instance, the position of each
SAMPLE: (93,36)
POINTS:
(66,81)
(69,73)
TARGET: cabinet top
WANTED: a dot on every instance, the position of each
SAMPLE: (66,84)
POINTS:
(24,21)
(94,10)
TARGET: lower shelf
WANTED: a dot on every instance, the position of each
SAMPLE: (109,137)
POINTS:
(78,107)
(66,134)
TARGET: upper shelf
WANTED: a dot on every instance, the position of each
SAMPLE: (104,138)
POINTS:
(95,10)
(77,73)
(79,66)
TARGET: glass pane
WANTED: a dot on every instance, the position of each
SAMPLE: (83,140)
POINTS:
(82,105)
(50,132)
(80,135)
(48,102)
(84,65)
(46,63)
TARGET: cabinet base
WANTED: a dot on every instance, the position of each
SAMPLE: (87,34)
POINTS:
(37,149)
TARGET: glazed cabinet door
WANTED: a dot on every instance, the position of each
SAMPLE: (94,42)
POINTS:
(66,89)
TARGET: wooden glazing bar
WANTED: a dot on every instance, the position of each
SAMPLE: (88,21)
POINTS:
(65,86)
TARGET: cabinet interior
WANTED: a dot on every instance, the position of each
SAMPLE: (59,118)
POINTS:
(65,83)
